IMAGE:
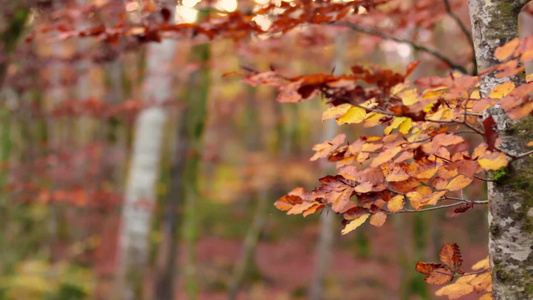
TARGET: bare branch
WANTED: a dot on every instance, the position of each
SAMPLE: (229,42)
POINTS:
(404,41)
(465,30)
(438,207)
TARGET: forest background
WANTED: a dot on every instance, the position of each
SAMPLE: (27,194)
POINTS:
(213,157)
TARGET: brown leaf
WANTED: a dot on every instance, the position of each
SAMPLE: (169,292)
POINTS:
(426,268)
(439,276)
(450,254)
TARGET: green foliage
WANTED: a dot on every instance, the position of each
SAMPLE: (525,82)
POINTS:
(39,279)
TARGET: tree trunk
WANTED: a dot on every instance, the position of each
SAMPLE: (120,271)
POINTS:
(494,23)
(184,184)
(140,195)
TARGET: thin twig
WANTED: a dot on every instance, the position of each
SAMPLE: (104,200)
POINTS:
(465,30)
(521,155)
(383,112)
(439,207)
(404,41)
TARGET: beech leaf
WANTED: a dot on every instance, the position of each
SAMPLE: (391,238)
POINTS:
(378,219)
(459,183)
(355,223)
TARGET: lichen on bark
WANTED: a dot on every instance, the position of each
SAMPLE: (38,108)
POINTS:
(494,23)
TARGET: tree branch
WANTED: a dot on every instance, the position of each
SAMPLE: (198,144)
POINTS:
(465,30)
(438,207)
(403,41)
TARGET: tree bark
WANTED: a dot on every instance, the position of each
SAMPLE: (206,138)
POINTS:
(140,185)
(494,23)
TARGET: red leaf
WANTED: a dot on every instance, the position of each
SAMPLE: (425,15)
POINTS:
(490,132)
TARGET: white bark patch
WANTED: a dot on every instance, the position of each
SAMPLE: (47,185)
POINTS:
(515,250)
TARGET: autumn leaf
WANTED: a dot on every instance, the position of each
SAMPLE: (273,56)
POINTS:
(504,52)
(482,264)
(493,161)
(433,198)
(364,187)
(296,196)
(354,115)
(426,268)
(378,219)
(482,282)
(439,276)
(335,111)
(355,223)
(396,203)
(385,156)
(326,148)
(459,183)
(451,255)
(455,290)
(502,90)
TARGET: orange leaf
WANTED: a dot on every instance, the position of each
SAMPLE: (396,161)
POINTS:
(378,219)
(482,264)
(521,111)
(482,282)
(432,199)
(385,156)
(459,183)
(504,52)
(396,203)
(455,290)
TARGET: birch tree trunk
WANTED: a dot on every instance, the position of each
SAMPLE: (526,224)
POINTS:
(140,185)
(494,23)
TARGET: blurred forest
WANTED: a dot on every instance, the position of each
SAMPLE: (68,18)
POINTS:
(134,169)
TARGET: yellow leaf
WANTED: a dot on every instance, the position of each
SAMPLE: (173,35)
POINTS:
(354,115)
(395,123)
(529,144)
(455,290)
(410,97)
(493,161)
(475,95)
(482,264)
(396,203)
(335,111)
(459,183)
(430,94)
(406,126)
(502,90)
(355,223)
